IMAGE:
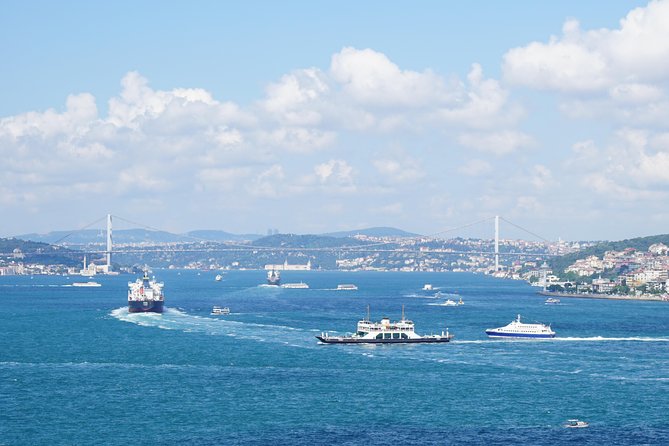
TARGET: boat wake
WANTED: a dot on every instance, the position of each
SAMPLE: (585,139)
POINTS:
(567,339)
(174,319)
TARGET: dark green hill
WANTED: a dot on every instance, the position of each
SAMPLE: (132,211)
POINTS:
(37,252)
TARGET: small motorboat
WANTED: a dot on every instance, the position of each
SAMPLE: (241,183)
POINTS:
(218,311)
(552,301)
(427,287)
(449,303)
(575,424)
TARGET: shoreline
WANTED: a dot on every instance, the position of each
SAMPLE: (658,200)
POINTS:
(601,296)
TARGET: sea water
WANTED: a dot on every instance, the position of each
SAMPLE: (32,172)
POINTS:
(77,368)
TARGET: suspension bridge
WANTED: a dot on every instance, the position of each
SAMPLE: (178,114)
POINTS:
(202,245)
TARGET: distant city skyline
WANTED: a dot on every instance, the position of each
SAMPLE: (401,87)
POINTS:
(310,117)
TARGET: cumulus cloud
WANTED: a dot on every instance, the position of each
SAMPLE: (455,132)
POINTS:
(399,170)
(498,143)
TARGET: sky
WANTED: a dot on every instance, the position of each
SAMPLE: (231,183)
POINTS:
(313,117)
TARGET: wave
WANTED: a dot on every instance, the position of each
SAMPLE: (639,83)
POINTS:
(567,339)
(175,319)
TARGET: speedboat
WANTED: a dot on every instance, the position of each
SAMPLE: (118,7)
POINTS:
(219,277)
(517,329)
(427,287)
(384,332)
(575,424)
(552,301)
(449,303)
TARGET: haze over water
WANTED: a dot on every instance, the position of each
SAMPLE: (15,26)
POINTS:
(76,368)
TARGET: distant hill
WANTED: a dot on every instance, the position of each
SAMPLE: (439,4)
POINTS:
(222,236)
(306,241)
(638,243)
(89,236)
(373,232)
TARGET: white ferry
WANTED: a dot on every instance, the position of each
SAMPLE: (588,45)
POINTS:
(218,311)
(517,329)
(86,284)
(384,332)
(346,287)
(300,285)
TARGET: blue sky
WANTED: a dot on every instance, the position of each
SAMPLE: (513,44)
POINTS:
(324,116)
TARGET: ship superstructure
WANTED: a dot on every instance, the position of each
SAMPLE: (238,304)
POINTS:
(145,295)
(273,277)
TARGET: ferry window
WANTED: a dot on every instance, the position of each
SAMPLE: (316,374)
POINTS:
(396,335)
(386,335)
(404,336)
(379,336)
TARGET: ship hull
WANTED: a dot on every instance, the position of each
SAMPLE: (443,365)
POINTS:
(145,306)
(519,335)
(382,341)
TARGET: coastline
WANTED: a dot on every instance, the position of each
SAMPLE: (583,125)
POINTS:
(601,296)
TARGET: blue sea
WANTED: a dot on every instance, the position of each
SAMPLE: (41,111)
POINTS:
(77,369)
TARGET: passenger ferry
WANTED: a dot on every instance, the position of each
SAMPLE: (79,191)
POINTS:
(385,332)
(346,287)
(299,285)
(517,329)
(218,311)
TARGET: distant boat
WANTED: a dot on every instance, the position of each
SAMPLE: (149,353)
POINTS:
(575,424)
(346,287)
(220,311)
(299,285)
(552,301)
(427,287)
(448,303)
(85,284)
(219,277)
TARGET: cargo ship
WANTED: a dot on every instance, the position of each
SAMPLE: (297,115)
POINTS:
(145,295)
(273,277)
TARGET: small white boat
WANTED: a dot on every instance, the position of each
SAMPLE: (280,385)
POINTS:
(552,301)
(427,287)
(219,277)
(86,284)
(347,286)
(576,424)
(449,303)
(220,311)
(299,285)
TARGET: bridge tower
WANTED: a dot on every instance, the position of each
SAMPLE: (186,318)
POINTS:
(109,242)
(496,243)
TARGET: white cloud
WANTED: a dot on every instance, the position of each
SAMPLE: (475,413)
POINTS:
(370,78)
(498,143)
(335,176)
(625,58)
(475,167)
(399,170)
